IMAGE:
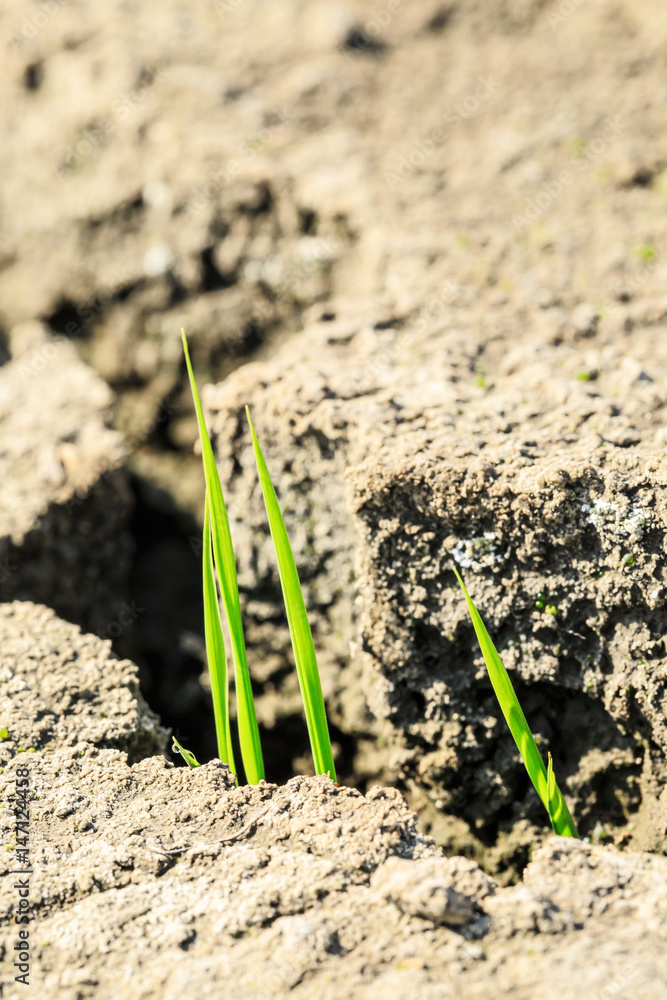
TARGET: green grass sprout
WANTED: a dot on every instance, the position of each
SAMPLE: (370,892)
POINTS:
(551,785)
(544,782)
(225,565)
(215,648)
(297,618)
(188,757)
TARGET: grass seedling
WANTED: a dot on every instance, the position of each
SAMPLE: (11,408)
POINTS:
(225,566)
(297,618)
(544,780)
(218,560)
(188,757)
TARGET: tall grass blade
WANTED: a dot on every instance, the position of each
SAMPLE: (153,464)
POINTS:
(225,564)
(302,639)
(215,649)
(554,803)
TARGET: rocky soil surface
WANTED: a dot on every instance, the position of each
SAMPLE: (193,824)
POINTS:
(437,233)
(545,489)
(65,503)
(150,880)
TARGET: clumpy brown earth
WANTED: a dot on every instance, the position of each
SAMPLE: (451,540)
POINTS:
(437,232)
(61,687)
(560,536)
(65,501)
(155,881)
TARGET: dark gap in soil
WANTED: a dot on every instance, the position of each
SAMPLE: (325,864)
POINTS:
(362,42)
(66,320)
(307,221)
(124,214)
(167,642)
(33,75)
(212,279)
(5,353)
(167,638)
(260,201)
(597,761)
(441,19)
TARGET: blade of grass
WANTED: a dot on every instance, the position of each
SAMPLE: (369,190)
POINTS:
(559,814)
(225,564)
(555,804)
(552,798)
(187,756)
(215,649)
(301,636)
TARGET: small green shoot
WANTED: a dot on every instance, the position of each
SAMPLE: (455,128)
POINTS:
(225,565)
(551,785)
(577,146)
(215,648)
(646,252)
(544,782)
(188,757)
(301,636)
(480,377)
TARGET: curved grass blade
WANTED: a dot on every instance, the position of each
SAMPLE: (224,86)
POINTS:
(551,783)
(559,814)
(554,803)
(225,564)
(301,636)
(187,756)
(215,649)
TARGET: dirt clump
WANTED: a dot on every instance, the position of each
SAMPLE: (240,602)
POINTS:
(65,502)
(544,489)
(160,881)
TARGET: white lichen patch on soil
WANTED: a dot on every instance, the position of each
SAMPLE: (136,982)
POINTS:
(615,519)
(478,552)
